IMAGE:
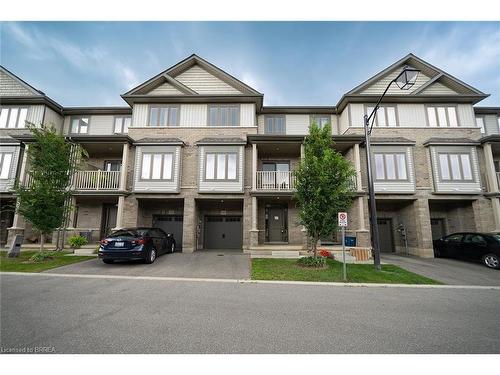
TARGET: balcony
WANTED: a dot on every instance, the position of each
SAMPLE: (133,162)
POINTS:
(276,181)
(96,180)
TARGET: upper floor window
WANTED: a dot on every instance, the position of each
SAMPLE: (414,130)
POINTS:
(320,120)
(223,115)
(157,166)
(79,125)
(455,166)
(112,165)
(11,117)
(275,124)
(221,166)
(442,116)
(122,124)
(480,124)
(164,115)
(498,122)
(390,166)
(5,161)
(386,116)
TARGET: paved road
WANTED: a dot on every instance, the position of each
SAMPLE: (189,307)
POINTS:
(200,264)
(448,271)
(96,315)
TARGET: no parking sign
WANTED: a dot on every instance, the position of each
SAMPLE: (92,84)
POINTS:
(342,219)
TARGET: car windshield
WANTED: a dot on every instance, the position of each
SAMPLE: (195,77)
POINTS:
(129,233)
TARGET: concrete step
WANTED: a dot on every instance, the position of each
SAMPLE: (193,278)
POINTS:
(337,255)
(85,251)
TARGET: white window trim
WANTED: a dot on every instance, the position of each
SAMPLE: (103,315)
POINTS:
(79,130)
(481,126)
(396,166)
(226,166)
(123,128)
(274,117)
(19,123)
(460,166)
(168,108)
(162,164)
(435,110)
(383,109)
(218,120)
(5,170)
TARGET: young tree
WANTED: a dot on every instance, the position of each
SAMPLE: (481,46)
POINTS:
(324,185)
(50,161)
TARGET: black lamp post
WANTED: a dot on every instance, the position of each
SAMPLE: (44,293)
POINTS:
(405,80)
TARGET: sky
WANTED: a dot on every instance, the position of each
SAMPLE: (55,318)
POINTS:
(291,63)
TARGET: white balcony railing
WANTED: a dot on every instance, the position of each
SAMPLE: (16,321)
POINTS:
(96,180)
(275,180)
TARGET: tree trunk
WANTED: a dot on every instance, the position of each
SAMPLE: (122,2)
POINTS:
(315,247)
(42,239)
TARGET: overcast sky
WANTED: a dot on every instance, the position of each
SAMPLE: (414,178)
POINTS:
(291,63)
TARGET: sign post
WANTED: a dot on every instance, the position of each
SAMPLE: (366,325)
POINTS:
(342,220)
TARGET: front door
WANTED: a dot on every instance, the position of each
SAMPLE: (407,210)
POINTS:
(385,234)
(6,219)
(437,228)
(109,212)
(276,224)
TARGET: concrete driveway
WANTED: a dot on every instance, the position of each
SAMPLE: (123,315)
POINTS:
(448,271)
(200,264)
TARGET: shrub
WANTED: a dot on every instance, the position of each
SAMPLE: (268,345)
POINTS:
(317,262)
(77,241)
(41,256)
(325,253)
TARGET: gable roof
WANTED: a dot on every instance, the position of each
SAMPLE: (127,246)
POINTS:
(431,74)
(169,75)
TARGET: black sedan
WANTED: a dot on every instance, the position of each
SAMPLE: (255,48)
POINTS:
(483,247)
(144,244)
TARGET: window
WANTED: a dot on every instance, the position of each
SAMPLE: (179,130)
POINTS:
(223,115)
(475,239)
(221,166)
(454,238)
(79,125)
(5,162)
(13,117)
(320,120)
(112,165)
(390,166)
(455,167)
(275,125)
(442,117)
(164,115)
(386,116)
(480,124)
(122,124)
(157,166)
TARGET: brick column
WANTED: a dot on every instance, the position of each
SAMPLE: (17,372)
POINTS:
(130,211)
(189,226)
(484,210)
(495,203)
(254,232)
(423,230)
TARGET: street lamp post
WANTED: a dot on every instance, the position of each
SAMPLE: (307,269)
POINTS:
(405,80)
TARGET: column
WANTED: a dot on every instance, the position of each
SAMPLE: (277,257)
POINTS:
(123,169)
(254,166)
(491,175)
(423,230)
(495,203)
(254,232)
(119,212)
(357,166)
(130,211)
(189,226)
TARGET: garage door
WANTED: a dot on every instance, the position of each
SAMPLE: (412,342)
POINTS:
(171,224)
(223,232)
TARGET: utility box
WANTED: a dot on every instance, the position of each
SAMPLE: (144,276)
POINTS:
(350,241)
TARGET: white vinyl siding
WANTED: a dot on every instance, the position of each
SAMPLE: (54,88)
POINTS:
(9,86)
(223,115)
(386,116)
(442,116)
(221,169)
(157,169)
(205,83)
(79,125)
(393,169)
(163,115)
(378,87)
(122,124)
(13,117)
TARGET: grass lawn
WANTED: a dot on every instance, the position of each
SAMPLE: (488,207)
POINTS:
(23,264)
(287,269)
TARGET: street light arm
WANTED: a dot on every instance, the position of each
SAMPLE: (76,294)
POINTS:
(378,103)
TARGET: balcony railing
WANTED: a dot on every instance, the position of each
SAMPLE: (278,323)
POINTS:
(96,180)
(275,180)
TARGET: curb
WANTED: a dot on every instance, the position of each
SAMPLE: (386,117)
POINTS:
(248,281)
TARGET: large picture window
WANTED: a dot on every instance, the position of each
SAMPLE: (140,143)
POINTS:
(79,125)
(386,116)
(223,115)
(157,166)
(11,117)
(390,166)
(5,163)
(275,124)
(442,116)
(221,166)
(164,115)
(455,166)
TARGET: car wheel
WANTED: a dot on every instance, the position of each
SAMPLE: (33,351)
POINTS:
(172,248)
(491,261)
(108,261)
(151,256)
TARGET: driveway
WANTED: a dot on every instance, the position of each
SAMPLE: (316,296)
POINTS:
(200,264)
(448,271)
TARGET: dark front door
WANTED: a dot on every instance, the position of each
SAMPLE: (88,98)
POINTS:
(223,232)
(437,228)
(171,224)
(276,224)
(109,212)
(6,219)
(385,234)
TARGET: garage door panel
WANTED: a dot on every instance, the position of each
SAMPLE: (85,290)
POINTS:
(171,224)
(223,232)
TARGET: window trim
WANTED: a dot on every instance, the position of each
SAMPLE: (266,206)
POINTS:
(2,158)
(446,106)
(275,116)
(168,106)
(451,180)
(161,166)
(397,179)
(384,107)
(9,111)
(483,118)
(122,123)
(313,116)
(79,125)
(219,124)
(215,179)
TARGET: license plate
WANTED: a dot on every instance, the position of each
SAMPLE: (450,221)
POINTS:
(119,244)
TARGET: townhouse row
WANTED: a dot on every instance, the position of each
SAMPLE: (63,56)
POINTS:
(196,153)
